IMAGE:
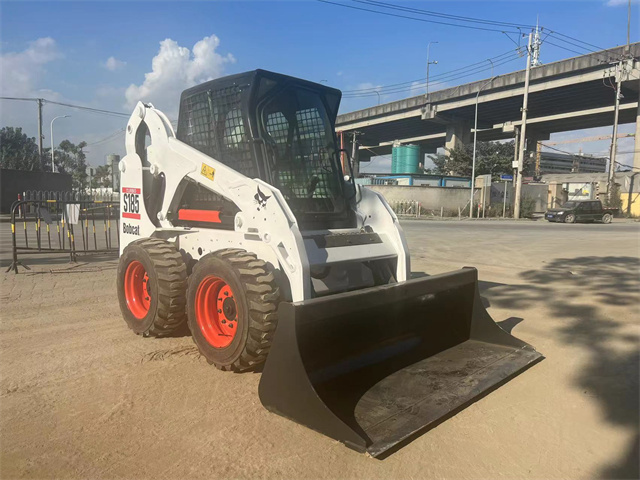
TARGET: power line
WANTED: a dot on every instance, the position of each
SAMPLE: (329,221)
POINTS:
(90,109)
(567,153)
(110,137)
(384,87)
(575,39)
(70,105)
(606,57)
(413,18)
(441,80)
(459,18)
(564,48)
(443,15)
(20,98)
(627,166)
(558,36)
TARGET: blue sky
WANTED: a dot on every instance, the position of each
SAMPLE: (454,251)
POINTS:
(100,54)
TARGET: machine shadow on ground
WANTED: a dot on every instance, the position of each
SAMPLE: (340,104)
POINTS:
(573,289)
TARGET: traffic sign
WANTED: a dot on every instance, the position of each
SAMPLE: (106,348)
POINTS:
(506,177)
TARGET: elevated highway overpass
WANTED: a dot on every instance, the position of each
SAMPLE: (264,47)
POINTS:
(567,95)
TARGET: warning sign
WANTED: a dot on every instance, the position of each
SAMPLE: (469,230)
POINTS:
(207,171)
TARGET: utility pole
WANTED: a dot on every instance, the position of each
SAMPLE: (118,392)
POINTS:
(40,132)
(628,26)
(354,156)
(428,64)
(516,152)
(535,57)
(614,138)
(523,132)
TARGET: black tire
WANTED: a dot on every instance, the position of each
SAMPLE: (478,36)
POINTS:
(166,286)
(570,218)
(607,218)
(256,296)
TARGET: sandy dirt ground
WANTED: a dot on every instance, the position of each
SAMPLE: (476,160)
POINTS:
(83,397)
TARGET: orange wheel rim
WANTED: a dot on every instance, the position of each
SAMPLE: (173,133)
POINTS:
(137,290)
(216,311)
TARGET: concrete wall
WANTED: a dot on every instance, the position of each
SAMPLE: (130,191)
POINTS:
(539,194)
(431,198)
(634,208)
(14,182)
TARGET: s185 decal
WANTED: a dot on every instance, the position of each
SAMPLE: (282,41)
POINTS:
(131,203)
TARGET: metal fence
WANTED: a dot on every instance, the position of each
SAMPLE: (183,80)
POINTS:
(95,195)
(415,209)
(50,226)
(407,208)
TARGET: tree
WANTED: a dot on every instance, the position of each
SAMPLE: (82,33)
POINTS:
(18,151)
(493,158)
(101,177)
(70,159)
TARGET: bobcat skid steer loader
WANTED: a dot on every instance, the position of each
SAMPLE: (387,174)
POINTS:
(244,225)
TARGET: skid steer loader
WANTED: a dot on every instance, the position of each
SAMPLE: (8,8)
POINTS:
(244,225)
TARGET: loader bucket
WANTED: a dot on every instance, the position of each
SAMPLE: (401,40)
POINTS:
(376,367)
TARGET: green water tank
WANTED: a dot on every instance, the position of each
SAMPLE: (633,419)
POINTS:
(405,159)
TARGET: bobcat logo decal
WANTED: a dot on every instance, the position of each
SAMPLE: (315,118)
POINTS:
(261,199)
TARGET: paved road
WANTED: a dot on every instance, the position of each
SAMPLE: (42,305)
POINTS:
(82,397)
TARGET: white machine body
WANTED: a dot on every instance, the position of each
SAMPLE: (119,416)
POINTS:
(264,225)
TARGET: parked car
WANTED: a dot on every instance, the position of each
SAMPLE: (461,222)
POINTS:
(581,211)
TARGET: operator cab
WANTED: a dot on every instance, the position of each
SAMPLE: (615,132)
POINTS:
(277,128)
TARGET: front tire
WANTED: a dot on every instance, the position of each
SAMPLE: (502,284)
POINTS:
(570,218)
(152,282)
(607,218)
(232,304)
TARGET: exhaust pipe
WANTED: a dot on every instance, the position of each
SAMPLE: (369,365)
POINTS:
(376,367)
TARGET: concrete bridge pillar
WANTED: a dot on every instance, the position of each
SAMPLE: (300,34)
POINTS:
(458,134)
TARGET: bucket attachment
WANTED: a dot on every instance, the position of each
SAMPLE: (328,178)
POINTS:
(374,368)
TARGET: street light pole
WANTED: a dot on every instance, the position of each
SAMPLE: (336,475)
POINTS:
(475,143)
(523,132)
(429,63)
(53,168)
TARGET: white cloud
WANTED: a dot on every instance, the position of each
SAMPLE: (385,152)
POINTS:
(20,72)
(176,68)
(24,74)
(112,64)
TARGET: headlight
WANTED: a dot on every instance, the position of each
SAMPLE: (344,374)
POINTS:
(559,213)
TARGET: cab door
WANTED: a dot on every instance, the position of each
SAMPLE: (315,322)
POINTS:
(583,211)
(596,210)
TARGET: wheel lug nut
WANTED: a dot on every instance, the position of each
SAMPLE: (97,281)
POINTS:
(219,311)
(230,325)
(224,321)
(226,294)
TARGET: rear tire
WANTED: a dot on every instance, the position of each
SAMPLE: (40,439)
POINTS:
(607,218)
(152,283)
(570,218)
(232,304)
